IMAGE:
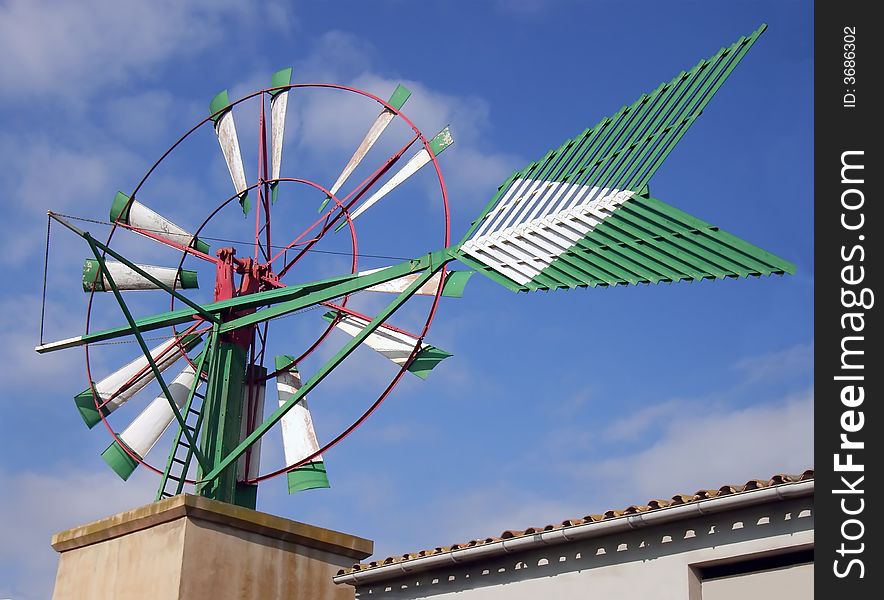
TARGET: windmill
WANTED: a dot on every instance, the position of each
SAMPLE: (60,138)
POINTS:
(580,216)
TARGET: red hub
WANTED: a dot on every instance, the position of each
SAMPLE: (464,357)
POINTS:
(255,277)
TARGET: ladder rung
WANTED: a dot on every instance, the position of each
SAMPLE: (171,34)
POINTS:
(193,410)
(179,461)
(198,395)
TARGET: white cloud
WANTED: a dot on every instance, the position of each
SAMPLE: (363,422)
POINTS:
(332,124)
(68,49)
(778,365)
(25,371)
(632,427)
(711,448)
(694,452)
(69,178)
(35,505)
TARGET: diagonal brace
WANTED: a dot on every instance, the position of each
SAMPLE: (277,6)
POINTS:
(159,377)
(87,236)
(348,348)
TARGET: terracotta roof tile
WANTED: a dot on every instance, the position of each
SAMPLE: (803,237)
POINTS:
(682,499)
(657,504)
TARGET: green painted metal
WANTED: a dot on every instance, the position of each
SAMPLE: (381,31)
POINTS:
(636,139)
(193,305)
(120,210)
(644,241)
(648,241)
(305,294)
(455,282)
(313,474)
(346,287)
(281,78)
(85,403)
(640,244)
(156,371)
(223,410)
(426,360)
(441,141)
(187,278)
(218,105)
(202,359)
(323,371)
(399,96)
(119,460)
(308,477)
(246,494)
(85,400)
(489,273)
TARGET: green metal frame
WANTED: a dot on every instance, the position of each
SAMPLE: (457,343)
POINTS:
(229,459)
(219,446)
(94,246)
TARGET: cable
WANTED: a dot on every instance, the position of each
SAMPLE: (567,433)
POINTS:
(229,241)
(45,276)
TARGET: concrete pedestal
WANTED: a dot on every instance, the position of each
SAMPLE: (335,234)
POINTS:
(192,547)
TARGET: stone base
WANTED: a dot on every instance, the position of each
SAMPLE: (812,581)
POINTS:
(192,547)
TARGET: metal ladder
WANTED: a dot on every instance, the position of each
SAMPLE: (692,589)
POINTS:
(181,454)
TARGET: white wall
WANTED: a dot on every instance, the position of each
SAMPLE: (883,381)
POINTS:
(775,584)
(649,563)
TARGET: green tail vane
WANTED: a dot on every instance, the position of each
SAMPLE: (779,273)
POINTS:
(582,215)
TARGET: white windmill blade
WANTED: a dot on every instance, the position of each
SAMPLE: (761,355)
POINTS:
(437,145)
(225,129)
(455,281)
(148,427)
(128,279)
(391,343)
(110,390)
(298,435)
(248,465)
(397,100)
(133,213)
(279,100)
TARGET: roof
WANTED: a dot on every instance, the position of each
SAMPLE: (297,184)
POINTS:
(780,479)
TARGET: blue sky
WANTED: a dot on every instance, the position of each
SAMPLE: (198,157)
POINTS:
(554,405)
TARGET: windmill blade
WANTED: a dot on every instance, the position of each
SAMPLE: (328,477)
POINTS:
(128,279)
(248,465)
(148,427)
(298,436)
(393,344)
(133,213)
(438,144)
(118,387)
(279,100)
(455,282)
(225,129)
(582,215)
(397,100)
